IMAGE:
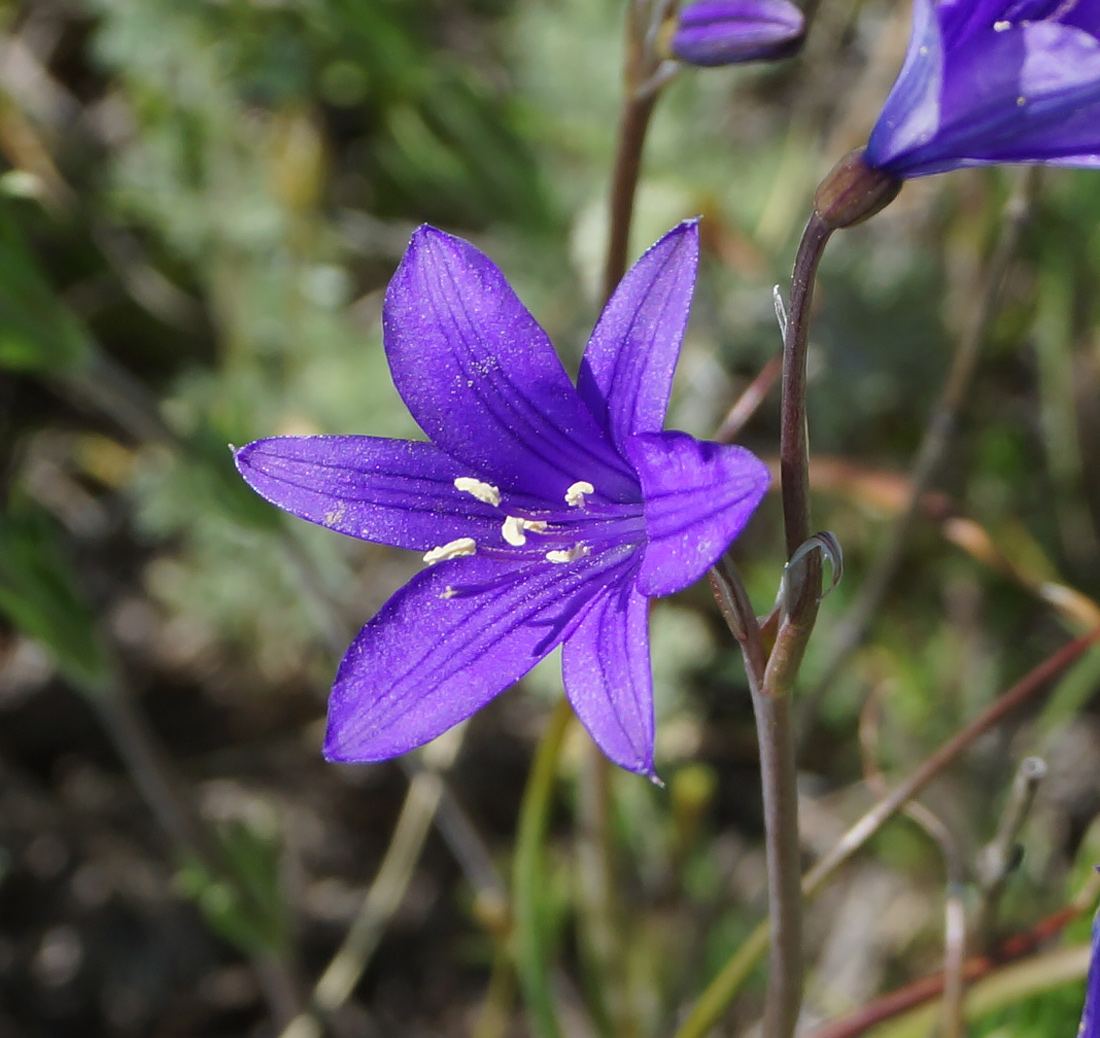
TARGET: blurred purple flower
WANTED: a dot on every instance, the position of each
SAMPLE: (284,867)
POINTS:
(548,512)
(1090,1015)
(729,32)
(989,81)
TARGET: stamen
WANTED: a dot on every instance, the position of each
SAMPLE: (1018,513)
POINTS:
(574,496)
(451,550)
(578,551)
(482,491)
(448,592)
(512,530)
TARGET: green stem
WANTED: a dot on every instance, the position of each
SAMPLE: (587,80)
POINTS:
(529,881)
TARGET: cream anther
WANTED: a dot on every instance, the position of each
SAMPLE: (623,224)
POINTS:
(482,491)
(451,550)
(578,551)
(1001,26)
(513,529)
(574,496)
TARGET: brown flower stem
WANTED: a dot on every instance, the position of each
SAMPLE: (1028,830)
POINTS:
(772,699)
(721,990)
(793,443)
(633,125)
(772,678)
(781,842)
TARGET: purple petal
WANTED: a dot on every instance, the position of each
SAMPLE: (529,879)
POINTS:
(1090,1014)
(989,81)
(727,32)
(426,662)
(911,114)
(626,375)
(480,376)
(396,492)
(605,667)
(698,497)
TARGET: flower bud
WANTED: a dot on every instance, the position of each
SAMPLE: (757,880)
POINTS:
(729,32)
(853,192)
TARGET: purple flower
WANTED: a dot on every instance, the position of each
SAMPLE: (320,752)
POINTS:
(548,513)
(989,81)
(1090,1015)
(729,32)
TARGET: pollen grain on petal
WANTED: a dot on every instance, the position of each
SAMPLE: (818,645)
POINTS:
(578,551)
(451,550)
(574,496)
(482,491)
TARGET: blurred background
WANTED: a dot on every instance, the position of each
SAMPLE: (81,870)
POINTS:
(201,202)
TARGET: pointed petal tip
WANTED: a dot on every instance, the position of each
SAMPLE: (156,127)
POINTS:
(427,235)
(332,749)
(337,748)
(642,766)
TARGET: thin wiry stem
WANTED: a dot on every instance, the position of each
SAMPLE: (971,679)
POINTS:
(999,858)
(771,686)
(781,841)
(954,929)
(720,992)
(793,438)
(852,630)
(528,879)
(633,124)
(642,86)
(772,702)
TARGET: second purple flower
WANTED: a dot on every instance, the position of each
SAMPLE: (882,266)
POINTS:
(990,81)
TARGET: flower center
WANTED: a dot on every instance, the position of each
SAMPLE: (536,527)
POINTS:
(561,535)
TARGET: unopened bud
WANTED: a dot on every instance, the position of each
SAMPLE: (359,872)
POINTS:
(854,192)
(730,32)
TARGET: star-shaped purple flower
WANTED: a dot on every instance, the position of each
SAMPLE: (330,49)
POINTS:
(548,513)
(987,81)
